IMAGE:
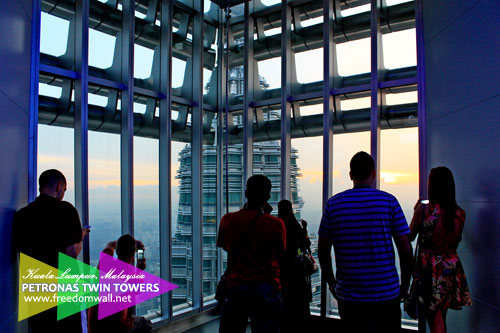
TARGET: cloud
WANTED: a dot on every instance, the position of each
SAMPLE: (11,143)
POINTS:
(312,176)
(397,177)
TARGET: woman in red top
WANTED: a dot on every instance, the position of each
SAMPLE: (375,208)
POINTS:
(439,271)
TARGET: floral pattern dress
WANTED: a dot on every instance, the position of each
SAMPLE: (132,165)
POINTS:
(441,277)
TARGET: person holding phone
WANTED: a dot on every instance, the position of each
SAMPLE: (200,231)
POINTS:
(45,227)
(127,248)
(439,272)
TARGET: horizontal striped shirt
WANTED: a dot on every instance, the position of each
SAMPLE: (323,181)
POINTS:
(361,223)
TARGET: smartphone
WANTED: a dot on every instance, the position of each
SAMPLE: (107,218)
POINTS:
(140,254)
(424,202)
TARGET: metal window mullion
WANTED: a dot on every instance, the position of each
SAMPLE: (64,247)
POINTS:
(376,94)
(248,98)
(81,117)
(422,115)
(221,76)
(165,152)
(286,92)
(127,119)
(329,73)
(34,77)
(196,155)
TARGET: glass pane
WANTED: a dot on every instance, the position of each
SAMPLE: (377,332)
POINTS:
(182,54)
(344,148)
(101,49)
(269,78)
(354,57)
(270,2)
(310,110)
(267,51)
(355,103)
(399,166)
(309,66)
(55,151)
(399,174)
(182,248)
(355,10)
(146,212)
(210,58)
(307,161)
(267,162)
(399,49)
(53,34)
(57,34)
(143,62)
(147,47)
(401,98)
(236,85)
(209,207)
(104,42)
(396,2)
(104,191)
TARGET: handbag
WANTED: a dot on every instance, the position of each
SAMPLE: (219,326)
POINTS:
(310,265)
(222,289)
(411,302)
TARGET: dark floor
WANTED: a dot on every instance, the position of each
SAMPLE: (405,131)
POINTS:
(317,324)
(210,327)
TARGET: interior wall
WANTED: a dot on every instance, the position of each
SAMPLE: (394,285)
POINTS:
(15,59)
(462,54)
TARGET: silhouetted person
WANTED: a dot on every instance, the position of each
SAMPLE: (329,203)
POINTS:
(439,270)
(123,321)
(44,228)
(255,241)
(361,223)
(295,285)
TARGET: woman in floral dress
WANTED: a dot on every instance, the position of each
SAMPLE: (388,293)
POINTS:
(438,271)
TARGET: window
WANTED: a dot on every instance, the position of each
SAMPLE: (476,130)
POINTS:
(58,91)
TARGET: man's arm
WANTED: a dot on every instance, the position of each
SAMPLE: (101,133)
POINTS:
(74,232)
(405,252)
(325,261)
(74,249)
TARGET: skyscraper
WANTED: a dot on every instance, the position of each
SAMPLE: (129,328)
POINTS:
(266,157)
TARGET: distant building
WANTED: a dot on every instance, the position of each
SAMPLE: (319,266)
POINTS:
(266,157)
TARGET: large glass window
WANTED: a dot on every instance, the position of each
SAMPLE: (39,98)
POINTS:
(58,90)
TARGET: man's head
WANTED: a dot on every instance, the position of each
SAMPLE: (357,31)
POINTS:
(362,168)
(258,189)
(52,182)
(126,247)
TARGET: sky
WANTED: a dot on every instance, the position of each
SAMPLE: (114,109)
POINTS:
(399,148)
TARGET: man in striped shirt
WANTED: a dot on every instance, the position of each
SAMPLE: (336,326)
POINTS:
(361,223)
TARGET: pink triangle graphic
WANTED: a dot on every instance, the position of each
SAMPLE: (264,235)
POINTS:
(128,285)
